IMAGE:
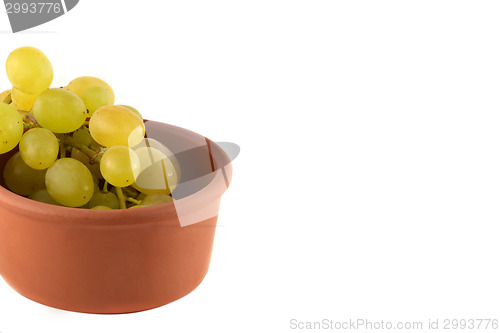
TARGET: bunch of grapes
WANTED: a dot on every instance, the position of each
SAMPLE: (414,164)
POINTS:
(76,148)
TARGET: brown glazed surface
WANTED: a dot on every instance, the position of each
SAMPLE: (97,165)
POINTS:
(118,261)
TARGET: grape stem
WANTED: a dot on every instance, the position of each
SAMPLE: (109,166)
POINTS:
(28,117)
(129,193)
(121,197)
(105,186)
(62,149)
(132,200)
(29,121)
(94,157)
(28,126)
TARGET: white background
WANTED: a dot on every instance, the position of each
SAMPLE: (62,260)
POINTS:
(368,184)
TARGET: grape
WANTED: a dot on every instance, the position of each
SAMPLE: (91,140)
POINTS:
(43,196)
(156,199)
(116,125)
(81,84)
(29,70)
(20,178)
(94,168)
(157,172)
(149,142)
(11,127)
(39,148)
(107,199)
(59,110)
(5,96)
(69,182)
(100,207)
(134,110)
(82,135)
(120,166)
(22,101)
(94,98)
(30,73)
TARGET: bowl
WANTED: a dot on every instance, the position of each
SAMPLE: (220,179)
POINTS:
(123,260)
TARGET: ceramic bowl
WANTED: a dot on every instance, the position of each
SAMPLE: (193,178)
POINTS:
(118,261)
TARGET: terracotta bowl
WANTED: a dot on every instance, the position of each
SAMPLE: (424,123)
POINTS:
(118,261)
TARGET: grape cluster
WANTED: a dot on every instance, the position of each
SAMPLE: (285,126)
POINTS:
(76,148)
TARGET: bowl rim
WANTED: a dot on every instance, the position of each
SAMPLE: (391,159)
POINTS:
(120,217)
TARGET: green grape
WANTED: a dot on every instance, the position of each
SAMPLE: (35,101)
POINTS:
(39,148)
(59,110)
(30,73)
(22,101)
(120,166)
(69,182)
(43,196)
(82,135)
(134,110)
(104,199)
(157,172)
(100,207)
(20,178)
(6,96)
(156,199)
(135,206)
(94,98)
(81,84)
(116,126)
(29,70)
(94,168)
(152,143)
(11,127)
